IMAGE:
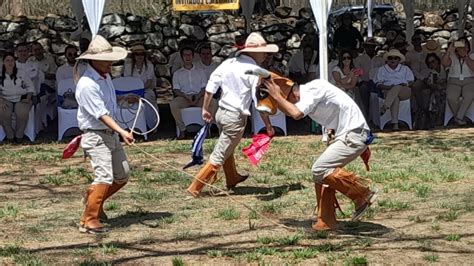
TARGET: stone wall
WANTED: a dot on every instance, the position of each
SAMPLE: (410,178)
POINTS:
(161,35)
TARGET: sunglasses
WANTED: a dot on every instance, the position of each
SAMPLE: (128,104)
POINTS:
(139,54)
(346,57)
(71,54)
(393,58)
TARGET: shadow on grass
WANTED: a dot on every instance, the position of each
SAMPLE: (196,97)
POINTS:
(268,193)
(358,228)
(137,217)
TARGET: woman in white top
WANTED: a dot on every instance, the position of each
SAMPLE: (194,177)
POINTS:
(143,69)
(460,78)
(344,74)
(16,92)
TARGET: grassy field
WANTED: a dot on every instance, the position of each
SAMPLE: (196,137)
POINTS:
(424,214)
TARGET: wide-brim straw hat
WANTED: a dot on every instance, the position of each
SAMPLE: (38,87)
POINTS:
(431,47)
(100,50)
(395,53)
(137,48)
(255,43)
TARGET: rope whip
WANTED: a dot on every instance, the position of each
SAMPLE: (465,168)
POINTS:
(209,184)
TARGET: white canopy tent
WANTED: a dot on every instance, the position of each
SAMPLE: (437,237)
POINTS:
(321,10)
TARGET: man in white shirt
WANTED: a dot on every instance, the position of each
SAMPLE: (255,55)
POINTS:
(188,87)
(66,71)
(206,63)
(415,59)
(95,95)
(45,62)
(394,80)
(369,62)
(32,69)
(332,108)
(238,91)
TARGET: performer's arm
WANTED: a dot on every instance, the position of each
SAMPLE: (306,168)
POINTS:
(206,115)
(268,124)
(109,121)
(288,108)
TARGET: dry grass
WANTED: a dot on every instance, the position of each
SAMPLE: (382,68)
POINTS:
(424,213)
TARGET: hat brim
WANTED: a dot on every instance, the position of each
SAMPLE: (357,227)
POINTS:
(118,53)
(402,57)
(432,51)
(269,48)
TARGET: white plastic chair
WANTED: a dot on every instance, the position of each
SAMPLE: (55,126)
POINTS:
(448,114)
(125,117)
(67,118)
(404,113)
(30,130)
(278,120)
(191,116)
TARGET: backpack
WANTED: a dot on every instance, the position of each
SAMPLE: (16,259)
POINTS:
(69,100)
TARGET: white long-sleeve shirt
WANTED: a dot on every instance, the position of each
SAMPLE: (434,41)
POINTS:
(330,107)
(238,88)
(12,90)
(189,81)
(96,97)
(147,73)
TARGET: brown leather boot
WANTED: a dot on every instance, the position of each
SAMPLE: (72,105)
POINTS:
(90,218)
(205,175)
(232,178)
(350,185)
(112,190)
(327,204)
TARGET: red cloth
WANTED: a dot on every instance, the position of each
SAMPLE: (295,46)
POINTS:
(71,147)
(366,157)
(258,147)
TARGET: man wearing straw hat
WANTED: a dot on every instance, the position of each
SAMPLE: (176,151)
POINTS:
(238,89)
(95,95)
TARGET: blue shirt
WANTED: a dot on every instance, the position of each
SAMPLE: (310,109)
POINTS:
(95,96)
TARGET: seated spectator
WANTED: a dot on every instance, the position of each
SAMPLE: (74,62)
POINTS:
(206,63)
(84,41)
(347,37)
(415,59)
(394,79)
(300,64)
(175,61)
(188,87)
(460,78)
(344,74)
(45,62)
(66,71)
(369,62)
(16,92)
(31,68)
(143,69)
(436,82)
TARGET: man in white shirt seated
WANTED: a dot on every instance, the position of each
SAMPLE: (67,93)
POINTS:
(301,62)
(45,62)
(332,108)
(394,79)
(188,87)
(66,71)
(369,62)
(31,69)
(415,59)
(206,63)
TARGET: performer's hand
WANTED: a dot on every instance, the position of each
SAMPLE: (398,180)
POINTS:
(272,88)
(206,116)
(127,137)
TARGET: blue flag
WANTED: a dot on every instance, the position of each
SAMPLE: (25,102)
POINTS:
(196,148)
